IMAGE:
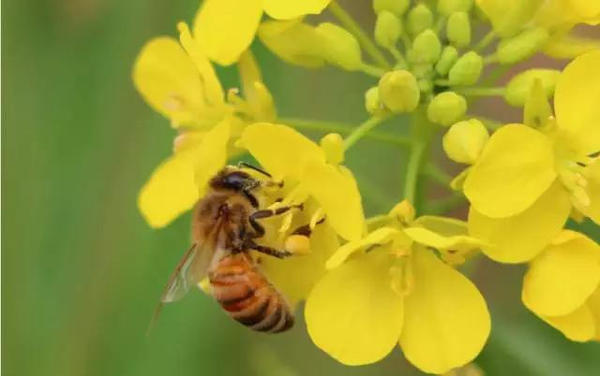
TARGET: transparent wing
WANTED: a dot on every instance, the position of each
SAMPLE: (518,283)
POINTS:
(190,270)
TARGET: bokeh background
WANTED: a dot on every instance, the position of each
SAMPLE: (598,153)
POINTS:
(81,271)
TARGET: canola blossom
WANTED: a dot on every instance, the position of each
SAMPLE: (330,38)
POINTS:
(401,279)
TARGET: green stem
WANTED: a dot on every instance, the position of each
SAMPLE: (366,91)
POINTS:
(490,59)
(481,91)
(344,129)
(437,174)
(372,70)
(444,205)
(485,41)
(398,56)
(354,28)
(361,131)
(421,132)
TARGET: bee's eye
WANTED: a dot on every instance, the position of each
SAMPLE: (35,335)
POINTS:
(237,180)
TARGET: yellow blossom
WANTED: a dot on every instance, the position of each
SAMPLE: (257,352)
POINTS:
(526,181)
(225,28)
(389,288)
(562,286)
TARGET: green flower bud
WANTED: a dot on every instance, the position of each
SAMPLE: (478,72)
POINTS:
(426,48)
(466,70)
(537,111)
(447,60)
(465,140)
(399,91)
(446,108)
(425,85)
(521,46)
(458,29)
(419,19)
(519,86)
(340,47)
(373,103)
(333,146)
(388,29)
(398,7)
(447,7)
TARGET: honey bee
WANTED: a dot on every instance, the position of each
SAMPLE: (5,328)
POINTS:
(225,228)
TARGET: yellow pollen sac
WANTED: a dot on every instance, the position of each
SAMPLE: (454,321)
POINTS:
(297,244)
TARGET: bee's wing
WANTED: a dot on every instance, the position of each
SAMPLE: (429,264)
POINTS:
(190,270)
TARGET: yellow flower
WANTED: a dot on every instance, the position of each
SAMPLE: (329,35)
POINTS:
(527,181)
(389,288)
(178,81)
(225,28)
(562,286)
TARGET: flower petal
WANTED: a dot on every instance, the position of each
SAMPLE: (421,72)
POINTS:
(168,80)
(256,93)
(212,154)
(592,174)
(285,10)
(561,278)
(381,236)
(514,170)
(336,191)
(225,28)
(521,237)
(576,102)
(577,326)
(353,314)
(435,240)
(446,321)
(171,189)
(594,305)
(280,149)
(296,276)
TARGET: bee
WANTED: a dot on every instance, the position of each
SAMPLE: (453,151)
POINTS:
(225,228)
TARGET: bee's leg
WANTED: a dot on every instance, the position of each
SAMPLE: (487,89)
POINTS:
(305,230)
(269,251)
(266,213)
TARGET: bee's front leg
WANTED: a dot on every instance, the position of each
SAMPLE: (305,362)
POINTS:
(266,213)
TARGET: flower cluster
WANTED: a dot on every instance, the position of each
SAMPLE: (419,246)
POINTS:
(372,283)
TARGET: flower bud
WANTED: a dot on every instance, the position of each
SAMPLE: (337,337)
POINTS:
(333,146)
(293,41)
(340,47)
(398,7)
(465,140)
(521,46)
(466,70)
(447,60)
(399,91)
(425,85)
(446,108)
(373,103)
(447,7)
(404,212)
(426,48)
(419,19)
(458,29)
(537,111)
(388,29)
(518,87)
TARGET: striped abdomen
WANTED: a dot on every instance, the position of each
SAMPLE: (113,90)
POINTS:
(247,296)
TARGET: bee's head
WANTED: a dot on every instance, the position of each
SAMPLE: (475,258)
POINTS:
(232,178)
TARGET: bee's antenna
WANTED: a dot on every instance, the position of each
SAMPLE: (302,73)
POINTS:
(252,167)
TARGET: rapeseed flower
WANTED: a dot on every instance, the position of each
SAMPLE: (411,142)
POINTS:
(527,181)
(562,286)
(225,28)
(390,287)
(178,81)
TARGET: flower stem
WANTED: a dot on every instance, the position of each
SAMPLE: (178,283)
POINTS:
(437,174)
(421,133)
(354,28)
(482,91)
(485,41)
(372,70)
(361,131)
(344,129)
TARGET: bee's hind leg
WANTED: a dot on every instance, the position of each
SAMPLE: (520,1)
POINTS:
(269,251)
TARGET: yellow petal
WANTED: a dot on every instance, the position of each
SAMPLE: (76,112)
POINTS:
(296,276)
(438,241)
(225,28)
(508,16)
(337,193)
(521,237)
(593,304)
(212,154)
(280,149)
(561,278)
(293,41)
(285,10)
(381,236)
(171,190)
(212,86)
(168,80)
(353,314)
(569,46)
(446,321)
(577,326)
(576,102)
(256,93)
(592,174)
(514,170)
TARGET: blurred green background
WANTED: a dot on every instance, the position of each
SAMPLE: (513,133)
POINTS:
(81,271)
